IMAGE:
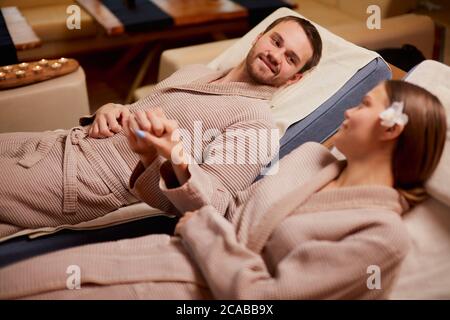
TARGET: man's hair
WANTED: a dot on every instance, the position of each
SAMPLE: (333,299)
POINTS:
(311,33)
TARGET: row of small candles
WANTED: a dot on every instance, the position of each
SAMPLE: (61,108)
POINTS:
(36,69)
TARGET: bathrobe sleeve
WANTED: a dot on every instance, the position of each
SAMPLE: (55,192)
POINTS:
(313,269)
(216,180)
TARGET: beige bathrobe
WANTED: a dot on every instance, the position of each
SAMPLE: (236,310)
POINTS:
(64,177)
(286,240)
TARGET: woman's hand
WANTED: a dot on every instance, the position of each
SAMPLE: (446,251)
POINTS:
(151,133)
(187,215)
(108,120)
(142,122)
(159,132)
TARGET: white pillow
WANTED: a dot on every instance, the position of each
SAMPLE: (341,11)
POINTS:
(435,77)
(425,272)
(340,61)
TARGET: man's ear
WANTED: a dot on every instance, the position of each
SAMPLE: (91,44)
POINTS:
(294,79)
(392,133)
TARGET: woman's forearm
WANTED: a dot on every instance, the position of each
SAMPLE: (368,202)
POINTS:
(148,158)
(181,172)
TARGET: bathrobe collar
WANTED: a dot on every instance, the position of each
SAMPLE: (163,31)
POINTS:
(203,84)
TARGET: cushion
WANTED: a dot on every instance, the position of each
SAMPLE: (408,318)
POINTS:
(424,273)
(340,61)
(326,119)
(61,102)
(417,30)
(22,247)
(435,77)
(174,59)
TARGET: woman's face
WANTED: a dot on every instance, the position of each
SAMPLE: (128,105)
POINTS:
(361,132)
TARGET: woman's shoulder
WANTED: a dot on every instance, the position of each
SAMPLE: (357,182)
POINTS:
(313,151)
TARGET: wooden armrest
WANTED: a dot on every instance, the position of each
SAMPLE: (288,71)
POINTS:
(103,16)
(22,35)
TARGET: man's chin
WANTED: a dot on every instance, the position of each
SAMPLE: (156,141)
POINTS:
(260,79)
(270,82)
(264,81)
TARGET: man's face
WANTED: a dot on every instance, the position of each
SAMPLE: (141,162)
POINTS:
(278,55)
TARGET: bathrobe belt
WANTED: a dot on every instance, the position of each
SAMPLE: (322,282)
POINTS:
(75,136)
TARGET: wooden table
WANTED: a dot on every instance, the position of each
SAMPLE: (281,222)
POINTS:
(397,74)
(183,12)
(21,33)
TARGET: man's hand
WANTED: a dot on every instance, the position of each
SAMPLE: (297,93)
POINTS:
(108,120)
(151,131)
(187,215)
(138,123)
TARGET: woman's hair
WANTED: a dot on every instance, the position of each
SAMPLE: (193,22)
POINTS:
(420,145)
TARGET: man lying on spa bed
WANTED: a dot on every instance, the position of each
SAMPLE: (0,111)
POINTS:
(66,177)
(318,229)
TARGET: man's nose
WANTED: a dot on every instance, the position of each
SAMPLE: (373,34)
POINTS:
(275,56)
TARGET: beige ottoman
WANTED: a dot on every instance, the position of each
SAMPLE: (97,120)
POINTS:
(48,105)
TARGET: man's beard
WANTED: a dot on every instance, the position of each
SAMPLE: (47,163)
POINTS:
(256,76)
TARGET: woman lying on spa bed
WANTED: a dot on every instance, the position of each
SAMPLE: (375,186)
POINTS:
(319,228)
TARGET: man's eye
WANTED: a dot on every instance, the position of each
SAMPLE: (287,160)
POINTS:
(277,43)
(291,60)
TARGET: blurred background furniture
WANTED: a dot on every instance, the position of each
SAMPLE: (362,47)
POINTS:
(346,18)
(48,19)
(22,34)
(52,104)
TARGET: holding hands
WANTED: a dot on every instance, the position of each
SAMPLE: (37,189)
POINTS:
(150,134)
(187,215)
